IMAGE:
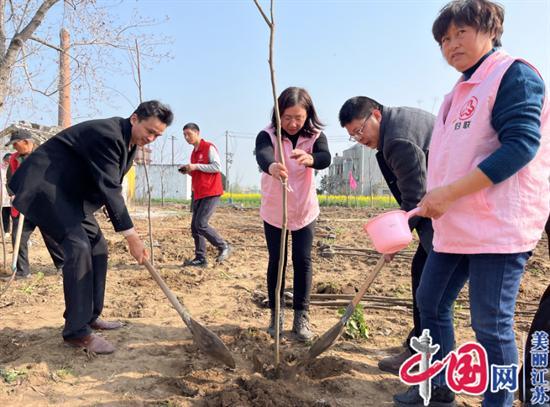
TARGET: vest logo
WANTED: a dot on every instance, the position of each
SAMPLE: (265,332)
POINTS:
(468,109)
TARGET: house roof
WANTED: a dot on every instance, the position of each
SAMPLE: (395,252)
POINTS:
(40,133)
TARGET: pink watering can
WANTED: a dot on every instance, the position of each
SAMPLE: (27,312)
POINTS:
(390,231)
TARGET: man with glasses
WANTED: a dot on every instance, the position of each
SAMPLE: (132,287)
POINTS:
(402,137)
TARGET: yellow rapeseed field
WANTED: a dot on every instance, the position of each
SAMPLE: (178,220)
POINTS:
(361,201)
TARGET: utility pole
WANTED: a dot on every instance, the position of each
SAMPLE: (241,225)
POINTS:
(362,169)
(172,138)
(227,160)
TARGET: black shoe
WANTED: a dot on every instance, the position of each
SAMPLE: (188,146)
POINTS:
(391,364)
(196,262)
(440,397)
(223,253)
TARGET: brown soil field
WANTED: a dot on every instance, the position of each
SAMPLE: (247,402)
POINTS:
(157,363)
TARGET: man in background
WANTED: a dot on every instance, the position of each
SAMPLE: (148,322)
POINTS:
(23,143)
(207,188)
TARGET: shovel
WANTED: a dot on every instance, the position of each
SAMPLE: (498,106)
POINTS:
(15,252)
(330,336)
(206,340)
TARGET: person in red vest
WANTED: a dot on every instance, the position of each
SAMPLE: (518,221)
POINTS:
(207,188)
(6,203)
(24,145)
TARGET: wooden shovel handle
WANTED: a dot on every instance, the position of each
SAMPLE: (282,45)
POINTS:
(171,297)
(17,243)
(359,295)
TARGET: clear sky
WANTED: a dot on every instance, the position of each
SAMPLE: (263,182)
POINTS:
(219,76)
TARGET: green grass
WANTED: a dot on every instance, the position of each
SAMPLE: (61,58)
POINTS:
(29,288)
(11,375)
(356,327)
(64,372)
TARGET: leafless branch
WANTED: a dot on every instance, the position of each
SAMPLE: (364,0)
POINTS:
(283,245)
(20,37)
(263,14)
(47,44)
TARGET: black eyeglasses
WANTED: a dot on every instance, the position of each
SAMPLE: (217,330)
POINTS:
(356,136)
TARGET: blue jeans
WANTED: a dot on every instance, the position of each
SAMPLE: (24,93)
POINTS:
(493,288)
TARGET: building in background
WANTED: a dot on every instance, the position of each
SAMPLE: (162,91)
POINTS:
(362,164)
(165,180)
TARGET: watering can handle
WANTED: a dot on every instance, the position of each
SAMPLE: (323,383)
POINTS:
(413,212)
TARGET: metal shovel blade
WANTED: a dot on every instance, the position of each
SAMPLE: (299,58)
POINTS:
(210,343)
(329,337)
(325,341)
(206,340)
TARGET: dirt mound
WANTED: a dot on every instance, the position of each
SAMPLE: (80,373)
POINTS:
(257,391)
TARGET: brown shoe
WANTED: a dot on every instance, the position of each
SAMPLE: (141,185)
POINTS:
(392,364)
(106,325)
(92,343)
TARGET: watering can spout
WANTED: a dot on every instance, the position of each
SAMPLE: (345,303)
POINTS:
(413,212)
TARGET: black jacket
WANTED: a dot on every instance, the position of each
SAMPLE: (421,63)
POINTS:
(76,172)
(402,156)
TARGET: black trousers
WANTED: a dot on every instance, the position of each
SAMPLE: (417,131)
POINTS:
(6,218)
(54,249)
(302,241)
(541,322)
(203,209)
(84,275)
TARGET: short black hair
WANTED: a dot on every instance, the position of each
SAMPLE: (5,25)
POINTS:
(191,126)
(357,107)
(483,15)
(154,108)
(294,96)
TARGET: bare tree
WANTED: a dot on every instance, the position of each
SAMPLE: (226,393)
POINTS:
(100,44)
(282,250)
(163,169)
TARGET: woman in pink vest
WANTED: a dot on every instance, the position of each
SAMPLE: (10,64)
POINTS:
(488,193)
(305,149)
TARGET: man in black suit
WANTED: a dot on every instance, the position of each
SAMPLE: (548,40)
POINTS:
(63,183)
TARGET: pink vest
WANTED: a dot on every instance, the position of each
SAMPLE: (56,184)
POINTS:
(507,217)
(303,207)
